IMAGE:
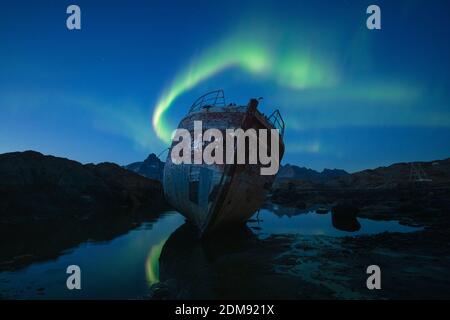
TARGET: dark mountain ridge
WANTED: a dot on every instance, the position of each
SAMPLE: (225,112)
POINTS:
(289,171)
(47,187)
(152,167)
(436,172)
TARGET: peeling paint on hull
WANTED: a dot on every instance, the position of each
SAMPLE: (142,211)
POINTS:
(218,196)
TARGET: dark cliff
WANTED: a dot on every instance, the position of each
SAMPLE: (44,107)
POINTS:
(36,186)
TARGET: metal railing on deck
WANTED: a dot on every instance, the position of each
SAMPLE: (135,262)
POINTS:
(217,98)
(210,99)
(277,121)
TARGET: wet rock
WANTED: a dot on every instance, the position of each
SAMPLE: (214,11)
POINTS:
(345,222)
(163,290)
(345,210)
(287,260)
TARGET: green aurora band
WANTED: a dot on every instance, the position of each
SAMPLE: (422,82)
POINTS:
(290,66)
(294,70)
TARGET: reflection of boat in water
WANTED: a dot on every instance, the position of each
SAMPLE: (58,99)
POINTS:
(281,211)
(194,265)
(237,267)
(218,195)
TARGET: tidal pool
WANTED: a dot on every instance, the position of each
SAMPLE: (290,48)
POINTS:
(128,265)
(276,219)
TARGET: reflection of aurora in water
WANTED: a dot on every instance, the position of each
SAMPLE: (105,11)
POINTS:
(152,263)
(147,255)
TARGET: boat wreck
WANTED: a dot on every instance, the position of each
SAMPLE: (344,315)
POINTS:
(219,195)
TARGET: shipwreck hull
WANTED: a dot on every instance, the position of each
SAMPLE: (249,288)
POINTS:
(218,195)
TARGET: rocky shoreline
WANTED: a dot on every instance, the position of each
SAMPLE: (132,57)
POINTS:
(415,206)
(294,266)
(386,193)
(414,265)
(48,204)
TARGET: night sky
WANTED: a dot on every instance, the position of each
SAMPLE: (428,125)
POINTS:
(352,98)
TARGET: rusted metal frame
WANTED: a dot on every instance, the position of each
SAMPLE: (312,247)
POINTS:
(229,171)
(204,99)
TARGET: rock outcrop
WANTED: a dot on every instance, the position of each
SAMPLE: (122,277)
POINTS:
(35,186)
(414,193)
(152,167)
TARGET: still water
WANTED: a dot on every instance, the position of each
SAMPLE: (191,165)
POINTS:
(276,219)
(128,265)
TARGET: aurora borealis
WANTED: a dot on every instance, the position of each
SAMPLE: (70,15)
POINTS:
(352,98)
(297,70)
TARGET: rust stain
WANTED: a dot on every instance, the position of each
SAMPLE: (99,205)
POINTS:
(217,196)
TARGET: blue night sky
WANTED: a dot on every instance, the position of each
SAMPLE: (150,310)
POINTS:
(352,98)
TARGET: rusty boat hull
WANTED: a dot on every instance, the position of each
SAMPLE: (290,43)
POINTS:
(219,196)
